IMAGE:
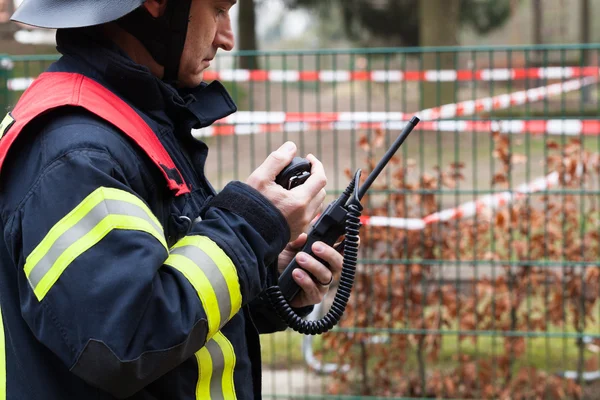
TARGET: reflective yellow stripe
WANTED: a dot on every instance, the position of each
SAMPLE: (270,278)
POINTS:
(2,360)
(78,213)
(223,262)
(6,123)
(97,215)
(203,287)
(228,368)
(216,363)
(214,276)
(204,374)
(88,241)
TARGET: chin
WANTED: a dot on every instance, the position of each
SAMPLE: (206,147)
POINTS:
(191,80)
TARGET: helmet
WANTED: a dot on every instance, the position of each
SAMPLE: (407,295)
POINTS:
(163,37)
(72,13)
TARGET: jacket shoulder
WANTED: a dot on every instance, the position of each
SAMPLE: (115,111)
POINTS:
(64,132)
(73,128)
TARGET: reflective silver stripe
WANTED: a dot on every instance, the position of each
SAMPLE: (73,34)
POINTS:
(214,275)
(218,368)
(81,228)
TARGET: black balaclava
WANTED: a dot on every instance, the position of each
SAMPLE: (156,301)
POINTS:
(163,37)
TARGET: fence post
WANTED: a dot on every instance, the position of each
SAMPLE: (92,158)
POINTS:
(6,65)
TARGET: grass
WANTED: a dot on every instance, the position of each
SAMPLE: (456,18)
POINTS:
(552,355)
(555,353)
(283,349)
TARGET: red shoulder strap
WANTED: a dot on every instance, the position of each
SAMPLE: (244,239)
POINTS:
(55,89)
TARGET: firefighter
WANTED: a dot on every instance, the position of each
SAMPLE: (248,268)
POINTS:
(124,274)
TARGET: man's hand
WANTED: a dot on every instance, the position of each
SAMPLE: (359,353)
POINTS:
(311,292)
(299,205)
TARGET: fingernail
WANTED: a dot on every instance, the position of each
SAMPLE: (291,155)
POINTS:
(290,147)
(318,248)
(301,258)
(298,274)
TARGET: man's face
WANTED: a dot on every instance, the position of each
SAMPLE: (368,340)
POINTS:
(209,29)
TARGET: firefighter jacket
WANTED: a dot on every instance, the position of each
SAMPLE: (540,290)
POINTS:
(112,284)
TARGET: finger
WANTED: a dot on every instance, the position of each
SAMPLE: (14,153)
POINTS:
(298,242)
(313,294)
(322,206)
(320,199)
(316,218)
(276,161)
(330,255)
(315,204)
(317,179)
(321,273)
(320,210)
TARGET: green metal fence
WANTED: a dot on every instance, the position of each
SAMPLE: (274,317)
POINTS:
(478,275)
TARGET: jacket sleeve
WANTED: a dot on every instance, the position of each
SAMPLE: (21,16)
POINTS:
(100,287)
(264,315)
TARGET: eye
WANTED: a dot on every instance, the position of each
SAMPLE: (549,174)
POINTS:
(221,12)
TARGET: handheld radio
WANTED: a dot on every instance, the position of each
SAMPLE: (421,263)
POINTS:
(341,217)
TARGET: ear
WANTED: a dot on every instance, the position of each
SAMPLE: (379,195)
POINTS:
(156,8)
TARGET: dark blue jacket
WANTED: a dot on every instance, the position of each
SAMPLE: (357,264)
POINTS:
(112,287)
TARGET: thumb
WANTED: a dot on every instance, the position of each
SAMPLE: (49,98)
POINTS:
(277,161)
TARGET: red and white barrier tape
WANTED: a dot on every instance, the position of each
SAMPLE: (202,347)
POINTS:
(18,84)
(256,122)
(571,127)
(262,122)
(247,122)
(470,107)
(493,202)
(466,210)
(446,75)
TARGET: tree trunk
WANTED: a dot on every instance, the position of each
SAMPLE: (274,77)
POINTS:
(537,22)
(247,33)
(439,26)
(584,37)
(538,34)
(7,28)
(586,10)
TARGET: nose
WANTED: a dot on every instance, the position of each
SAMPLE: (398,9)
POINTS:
(224,38)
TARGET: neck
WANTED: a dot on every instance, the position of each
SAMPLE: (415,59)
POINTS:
(133,48)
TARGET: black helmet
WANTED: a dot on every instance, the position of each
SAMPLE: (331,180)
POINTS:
(164,37)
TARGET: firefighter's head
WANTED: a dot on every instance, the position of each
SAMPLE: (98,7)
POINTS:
(177,37)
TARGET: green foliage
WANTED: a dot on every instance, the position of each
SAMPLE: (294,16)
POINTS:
(398,20)
(484,16)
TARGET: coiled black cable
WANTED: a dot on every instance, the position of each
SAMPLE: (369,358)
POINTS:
(293,320)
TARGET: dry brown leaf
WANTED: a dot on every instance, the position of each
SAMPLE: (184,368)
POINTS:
(379,138)
(363,143)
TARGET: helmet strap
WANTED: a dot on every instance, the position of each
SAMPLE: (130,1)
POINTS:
(163,37)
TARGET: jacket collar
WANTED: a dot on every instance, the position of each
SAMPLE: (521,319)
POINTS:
(87,52)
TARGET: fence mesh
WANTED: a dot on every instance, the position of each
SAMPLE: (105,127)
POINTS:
(478,273)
